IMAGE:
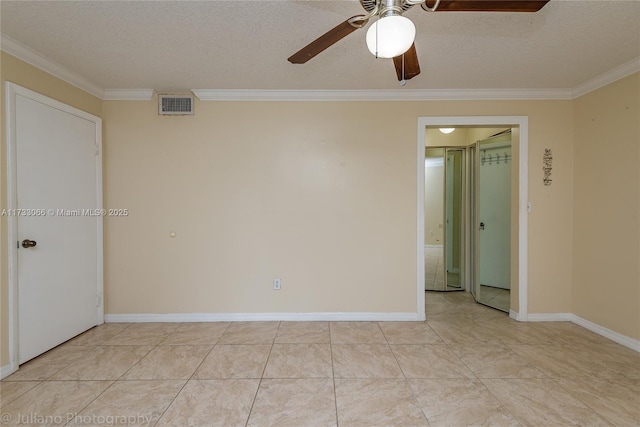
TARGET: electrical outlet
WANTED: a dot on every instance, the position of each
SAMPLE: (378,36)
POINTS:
(276,284)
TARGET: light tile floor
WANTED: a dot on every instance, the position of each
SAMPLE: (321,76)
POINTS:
(467,365)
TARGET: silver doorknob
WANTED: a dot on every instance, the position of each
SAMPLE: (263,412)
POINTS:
(26,243)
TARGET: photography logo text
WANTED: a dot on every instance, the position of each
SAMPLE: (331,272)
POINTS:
(34,418)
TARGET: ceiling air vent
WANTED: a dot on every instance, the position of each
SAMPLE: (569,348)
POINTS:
(175,105)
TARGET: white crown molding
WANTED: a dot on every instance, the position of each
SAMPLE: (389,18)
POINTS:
(34,58)
(382,95)
(608,77)
(38,60)
(253,317)
(128,94)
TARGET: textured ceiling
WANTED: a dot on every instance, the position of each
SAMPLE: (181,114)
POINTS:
(177,45)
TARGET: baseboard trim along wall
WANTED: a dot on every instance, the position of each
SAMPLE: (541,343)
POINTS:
(357,316)
(624,340)
(253,317)
(550,317)
(7,370)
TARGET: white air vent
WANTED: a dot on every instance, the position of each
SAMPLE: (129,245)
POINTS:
(172,104)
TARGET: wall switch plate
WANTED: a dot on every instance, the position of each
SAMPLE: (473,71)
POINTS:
(276,284)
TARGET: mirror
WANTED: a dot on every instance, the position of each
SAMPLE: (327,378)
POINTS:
(454,212)
(433,219)
(444,217)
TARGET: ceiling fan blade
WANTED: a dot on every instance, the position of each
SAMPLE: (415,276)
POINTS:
(411,65)
(488,5)
(324,41)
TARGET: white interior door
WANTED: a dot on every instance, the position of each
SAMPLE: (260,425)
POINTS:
(57,181)
(495,215)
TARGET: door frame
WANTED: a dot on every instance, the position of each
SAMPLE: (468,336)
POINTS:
(11,91)
(522,122)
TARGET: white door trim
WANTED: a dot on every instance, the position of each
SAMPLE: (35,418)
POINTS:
(523,123)
(11,91)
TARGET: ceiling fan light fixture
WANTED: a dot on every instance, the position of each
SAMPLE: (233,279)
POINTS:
(390,36)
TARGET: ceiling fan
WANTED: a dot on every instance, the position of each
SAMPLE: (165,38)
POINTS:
(392,35)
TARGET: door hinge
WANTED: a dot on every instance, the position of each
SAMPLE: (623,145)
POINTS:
(98,299)
(97,150)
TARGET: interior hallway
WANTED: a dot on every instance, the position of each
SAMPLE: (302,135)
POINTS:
(468,364)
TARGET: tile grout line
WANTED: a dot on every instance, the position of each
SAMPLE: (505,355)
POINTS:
(406,380)
(255,396)
(476,377)
(568,391)
(502,405)
(21,394)
(191,377)
(575,372)
(103,391)
(89,349)
(125,372)
(92,400)
(333,376)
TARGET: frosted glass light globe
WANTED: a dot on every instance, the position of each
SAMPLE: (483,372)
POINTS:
(390,36)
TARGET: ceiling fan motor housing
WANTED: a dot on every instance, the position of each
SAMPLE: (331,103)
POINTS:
(370,5)
(390,8)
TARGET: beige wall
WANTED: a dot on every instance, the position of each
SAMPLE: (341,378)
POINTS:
(606,271)
(320,194)
(15,71)
(317,194)
(323,195)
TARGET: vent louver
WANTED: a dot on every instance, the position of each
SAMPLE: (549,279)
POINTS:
(173,105)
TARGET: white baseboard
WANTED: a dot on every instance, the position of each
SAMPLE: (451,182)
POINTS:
(614,336)
(253,317)
(624,340)
(7,370)
(346,316)
(550,317)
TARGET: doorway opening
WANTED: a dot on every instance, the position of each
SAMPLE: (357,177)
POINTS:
(472,209)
